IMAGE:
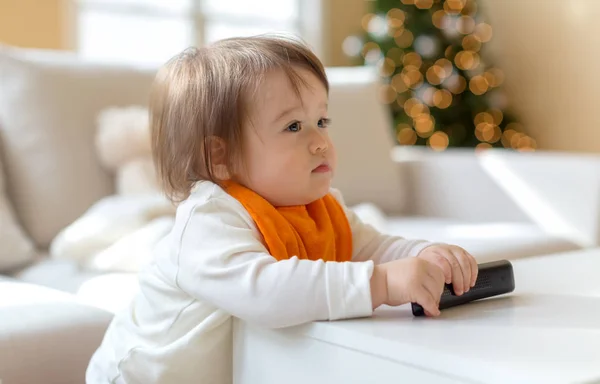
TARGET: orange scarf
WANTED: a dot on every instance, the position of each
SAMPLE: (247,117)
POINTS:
(317,231)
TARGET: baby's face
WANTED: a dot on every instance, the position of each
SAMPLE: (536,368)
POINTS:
(288,156)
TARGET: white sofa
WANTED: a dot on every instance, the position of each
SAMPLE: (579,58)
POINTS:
(497,204)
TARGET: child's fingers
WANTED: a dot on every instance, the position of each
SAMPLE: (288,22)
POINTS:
(428,302)
(457,273)
(474,268)
(443,263)
(465,267)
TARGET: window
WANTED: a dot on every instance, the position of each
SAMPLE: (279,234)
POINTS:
(151,31)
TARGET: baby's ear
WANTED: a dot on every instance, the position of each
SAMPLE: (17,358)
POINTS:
(216,148)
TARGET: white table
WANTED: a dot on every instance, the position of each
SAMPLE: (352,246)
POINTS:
(546,331)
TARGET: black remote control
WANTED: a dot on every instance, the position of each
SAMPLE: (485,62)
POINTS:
(493,279)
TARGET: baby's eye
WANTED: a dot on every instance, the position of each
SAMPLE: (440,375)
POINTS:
(294,127)
(324,123)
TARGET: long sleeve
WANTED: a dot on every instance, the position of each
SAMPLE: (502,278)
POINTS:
(370,244)
(221,260)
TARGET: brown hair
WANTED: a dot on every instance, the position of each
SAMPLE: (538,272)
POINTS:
(204,93)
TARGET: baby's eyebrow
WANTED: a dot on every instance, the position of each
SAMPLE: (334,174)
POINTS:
(286,111)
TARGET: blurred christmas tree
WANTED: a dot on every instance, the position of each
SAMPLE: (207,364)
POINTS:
(440,92)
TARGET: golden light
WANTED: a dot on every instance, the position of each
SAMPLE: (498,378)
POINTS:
(453,6)
(366,19)
(478,85)
(470,8)
(424,124)
(456,5)
(398,83)
(446,65)
(449,52)
(412,59)
(494,77)
(423,4)
(439,141)
(428,96)
(458,84)
(465,25)
(497,115)
(407,136)
(414,108)
(369,47)
(471,43)
(409,104)
(408,2)
(497,134)
(387,67)
(484,131)
(483,32)
(433,74)
(483,147)
(438,19)
(466,60)
(507,136)
(514,140)
(526,144)
(403,38)
(442,98)
(395,18)
(483,117)
(387,94)
(412,77)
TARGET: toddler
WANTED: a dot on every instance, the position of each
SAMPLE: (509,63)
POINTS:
(240,140)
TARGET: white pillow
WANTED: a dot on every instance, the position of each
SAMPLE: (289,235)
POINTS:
(105,223)
(16,249)
(133,251)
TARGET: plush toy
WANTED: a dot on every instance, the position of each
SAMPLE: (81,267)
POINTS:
(118,232)
(123,147)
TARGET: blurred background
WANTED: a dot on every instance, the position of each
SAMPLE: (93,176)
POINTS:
(455,73)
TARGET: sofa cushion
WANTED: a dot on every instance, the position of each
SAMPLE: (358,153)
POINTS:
(62,275)
(485,241)
(49,103)
(46,336)
(16,248)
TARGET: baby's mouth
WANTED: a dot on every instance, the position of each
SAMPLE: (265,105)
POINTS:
(322,168)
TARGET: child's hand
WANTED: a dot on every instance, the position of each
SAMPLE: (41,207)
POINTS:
(410,280)
(460,268)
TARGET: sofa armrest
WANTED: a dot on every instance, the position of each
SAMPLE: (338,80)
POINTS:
(559,192)
(46,336)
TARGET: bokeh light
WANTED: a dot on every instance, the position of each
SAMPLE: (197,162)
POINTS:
(387,67)
(478,85)
(403,38)
(366,19)
(438,19)
(471,43)
(442,98)
(467,60)
(423,4)
(483,32)
(465,25)
(398,83)
(406,136)
(439,141)
(395,18)
(424,124)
